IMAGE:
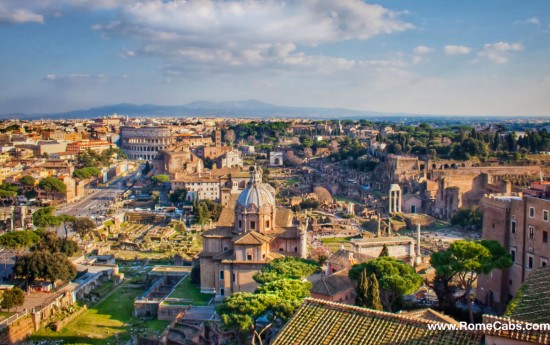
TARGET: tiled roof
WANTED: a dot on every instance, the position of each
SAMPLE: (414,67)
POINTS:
(321,322)
(219,231)
(252,238)
(429,315)
(534,302)
(523,336)
(333,284)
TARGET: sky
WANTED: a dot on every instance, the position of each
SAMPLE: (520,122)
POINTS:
(468,57)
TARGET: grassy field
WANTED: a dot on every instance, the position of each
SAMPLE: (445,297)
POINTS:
(187,290)
(104,323)
(5,315)
(336,242)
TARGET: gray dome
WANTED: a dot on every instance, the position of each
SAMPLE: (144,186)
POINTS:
(256,192)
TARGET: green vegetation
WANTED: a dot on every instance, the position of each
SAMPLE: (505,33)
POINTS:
(187,290)
(109,320)
(368,292)
(468,218)
(395,279)
(91,158)
(27,181)
(287,267)
(459,267)
(44,265)
(12,298)
(19,241)
(178,196)
(86,173)
(159,179)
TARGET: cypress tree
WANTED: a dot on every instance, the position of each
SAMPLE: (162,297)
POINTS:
(373,293)
(362,290)
(384,252)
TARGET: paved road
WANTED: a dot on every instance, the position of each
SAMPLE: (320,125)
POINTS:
(96,203)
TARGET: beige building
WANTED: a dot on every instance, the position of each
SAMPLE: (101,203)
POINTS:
(248,236)
(522,225)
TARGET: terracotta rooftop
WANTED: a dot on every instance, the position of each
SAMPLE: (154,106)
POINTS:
(321,322)
(252,238)
(533,303)
(429,315)
(333,284)
(517,336)
(342,258)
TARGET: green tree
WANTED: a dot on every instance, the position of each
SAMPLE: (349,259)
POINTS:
(44,265)
(12,298)
(373,294)
(242,310)
(45,218)
(19,241)
(49,241)
(461,265)
(160,179)
(395,279)
(27,181)
(52,185)
(287,267)
(290,292)
(86,173)
(471,218)
(362,289)
(83,226)
(178,196)
(68,222)
(384,252)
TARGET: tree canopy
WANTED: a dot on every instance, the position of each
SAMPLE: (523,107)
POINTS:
(395,279)
(44,265)
(45,218)
(158,179)
(468,218)
(462,264)
(287,267)
(52,185)
(86,173)
(27,181)
(19,241)
(11,298)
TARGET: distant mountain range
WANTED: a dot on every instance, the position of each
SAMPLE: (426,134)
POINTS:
(243,109)
(250,108)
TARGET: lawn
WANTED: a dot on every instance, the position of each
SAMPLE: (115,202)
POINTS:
(105,322)
(4,315)
(187,290)
(335,243)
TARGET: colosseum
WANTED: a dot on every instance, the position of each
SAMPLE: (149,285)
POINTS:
(144,142)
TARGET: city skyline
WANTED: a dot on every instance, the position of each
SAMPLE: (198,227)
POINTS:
(425,57)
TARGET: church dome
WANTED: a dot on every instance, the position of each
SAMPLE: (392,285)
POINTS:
(257,193)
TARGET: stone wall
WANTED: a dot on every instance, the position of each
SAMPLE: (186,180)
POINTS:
(18,331)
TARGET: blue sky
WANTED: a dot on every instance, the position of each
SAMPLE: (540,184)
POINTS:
(428,57)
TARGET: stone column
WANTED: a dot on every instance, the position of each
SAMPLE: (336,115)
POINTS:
(389,226)
(378,232)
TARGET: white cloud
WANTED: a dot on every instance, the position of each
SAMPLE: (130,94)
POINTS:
(499,52)
(421,50)
(456,50)
(20,16)
(74,78)
(533,20)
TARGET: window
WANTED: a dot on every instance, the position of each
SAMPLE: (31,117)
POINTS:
(543,262)
(267,223)
(545,236)
(233,278)
(253,225)
(532,212)
(514,227)
(222,275)
(249,257)
(240,224)
(531,232)
(222,292)
(225,248)
(513,254)
(530,260)
(545,215)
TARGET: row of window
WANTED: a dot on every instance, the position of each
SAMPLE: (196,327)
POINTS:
(530,259)
(545,214)
(531,230)
(253,224)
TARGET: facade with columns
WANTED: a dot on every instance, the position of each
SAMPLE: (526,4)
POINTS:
(395,199)
(144,142)
(251,232)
